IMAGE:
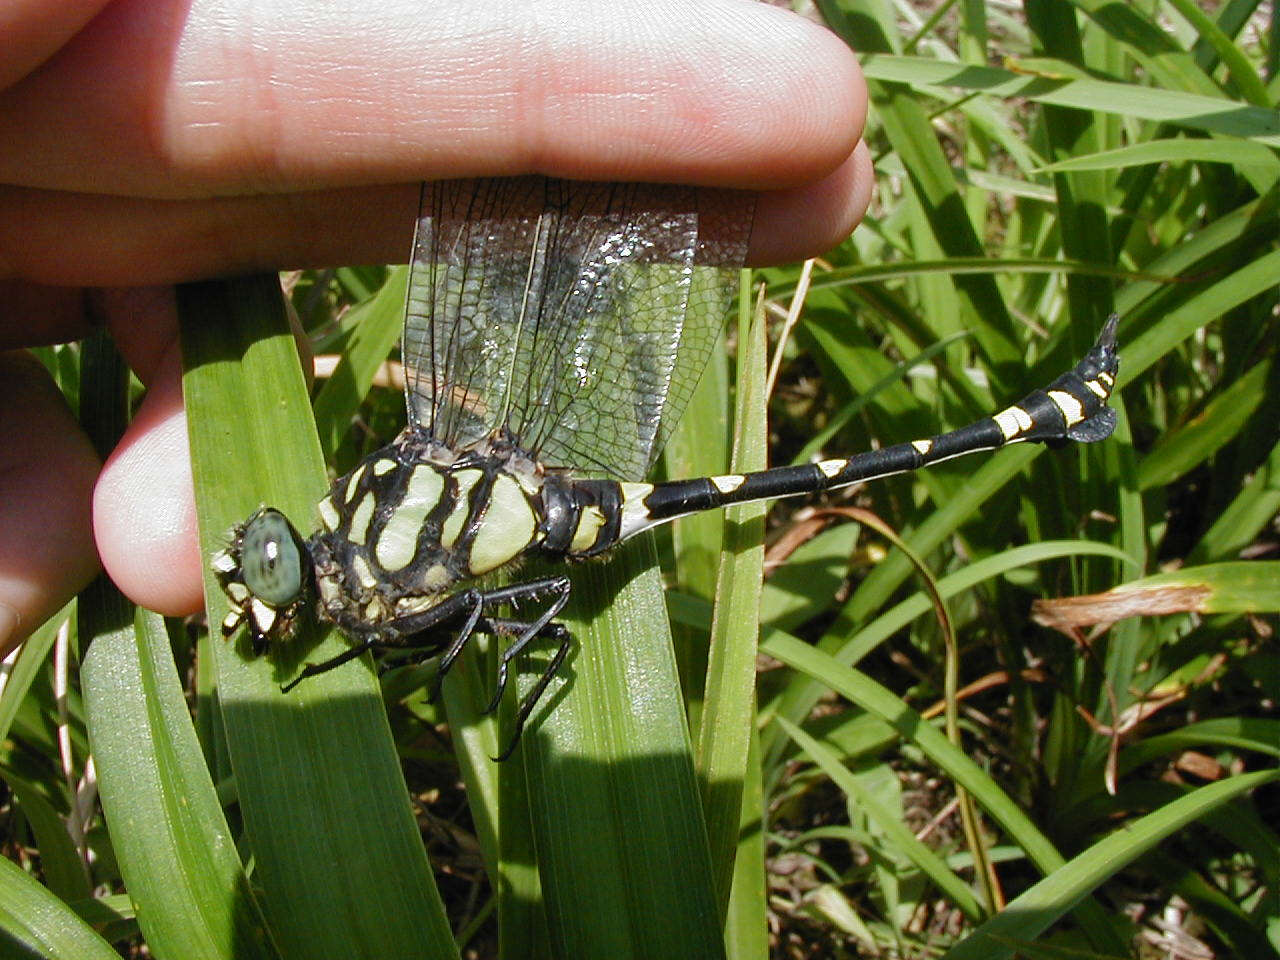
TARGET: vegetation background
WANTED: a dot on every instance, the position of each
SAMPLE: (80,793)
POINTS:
(928,755)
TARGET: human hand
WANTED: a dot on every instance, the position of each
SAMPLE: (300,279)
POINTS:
(156,141)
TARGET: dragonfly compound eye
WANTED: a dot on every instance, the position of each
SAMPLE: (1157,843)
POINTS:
(270,560)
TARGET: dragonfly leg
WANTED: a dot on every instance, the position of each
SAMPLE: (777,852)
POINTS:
(531,699)
(543,625)
(459,643)
(385,637)
(525,632)
(312,669)
(414,632)
(423,632)
(495,626)
(559,586)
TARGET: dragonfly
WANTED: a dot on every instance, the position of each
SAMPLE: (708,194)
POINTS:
(554,333)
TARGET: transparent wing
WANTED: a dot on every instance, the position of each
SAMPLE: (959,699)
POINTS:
(575,316)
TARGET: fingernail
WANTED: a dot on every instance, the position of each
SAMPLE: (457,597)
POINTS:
(9,620)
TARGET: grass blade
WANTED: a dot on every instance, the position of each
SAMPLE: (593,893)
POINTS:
(335,845)
(1033,911)
(376,328)
(614,805)
(37,925)
(728,712)
(177,856)
(1190,110)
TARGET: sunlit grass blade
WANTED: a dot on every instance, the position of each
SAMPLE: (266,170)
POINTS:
(377,324)
(728,711)
(36,924)
(822,438)
(1235,152)
(1058,893)
(699,447)
(813,573)
(336,849)
(746,927)
(176,853)
(1190,110)
(614,805)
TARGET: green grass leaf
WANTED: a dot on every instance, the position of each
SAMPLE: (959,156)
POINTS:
(614,808)
(336,849)
(1190,110)
(728,712)
(37,925)
(176,853)
(1032,912)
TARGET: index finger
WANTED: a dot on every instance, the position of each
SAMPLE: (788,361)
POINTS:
(174,98)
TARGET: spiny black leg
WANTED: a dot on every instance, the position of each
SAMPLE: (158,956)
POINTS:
(312,669)
(473,601)
(560,587)
(531,699)
(455,648)
(544,625)
(500,626)
(529,590)
(417,623)
(410,626)
(421,630)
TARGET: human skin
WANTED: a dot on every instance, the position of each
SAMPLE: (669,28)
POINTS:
(151,142)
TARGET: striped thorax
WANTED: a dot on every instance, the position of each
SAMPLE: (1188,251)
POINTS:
(414,520)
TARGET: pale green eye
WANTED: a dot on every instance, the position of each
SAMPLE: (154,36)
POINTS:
(270,561)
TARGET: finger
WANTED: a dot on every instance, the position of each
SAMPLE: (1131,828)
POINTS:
(144,516)
(177,98)
(796,224)
(61,238)
(144,325)
(47,469)
(34,29)
(36,315)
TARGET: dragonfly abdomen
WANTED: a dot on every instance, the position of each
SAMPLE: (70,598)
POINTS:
(1073,407)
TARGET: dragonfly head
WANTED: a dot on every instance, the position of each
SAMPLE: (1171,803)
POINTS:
(265,572)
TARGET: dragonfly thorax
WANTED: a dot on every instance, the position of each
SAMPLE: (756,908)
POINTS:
(411,522)
(409,527)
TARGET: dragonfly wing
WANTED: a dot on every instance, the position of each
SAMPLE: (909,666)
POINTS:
(575,316)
